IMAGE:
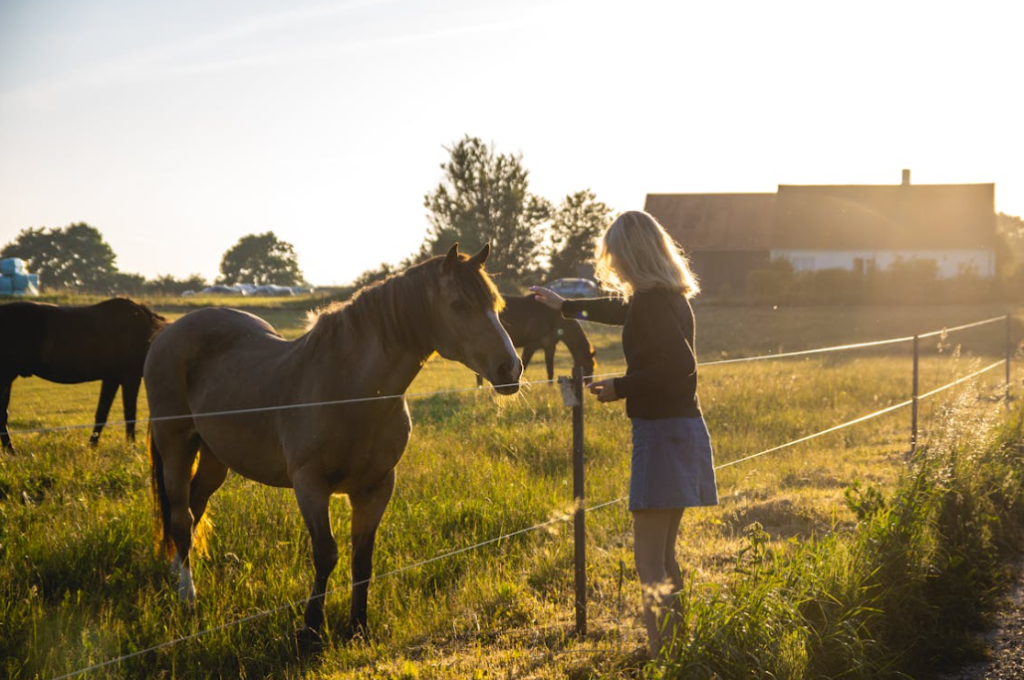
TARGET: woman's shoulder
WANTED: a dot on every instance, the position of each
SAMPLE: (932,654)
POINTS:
(662,301)
(664,296)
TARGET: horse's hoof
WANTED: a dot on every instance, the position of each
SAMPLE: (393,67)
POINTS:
(308,640)
(355,633)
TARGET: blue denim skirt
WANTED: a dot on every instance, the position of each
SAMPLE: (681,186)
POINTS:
(673,465)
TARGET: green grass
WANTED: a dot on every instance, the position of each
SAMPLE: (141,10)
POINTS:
(80,582)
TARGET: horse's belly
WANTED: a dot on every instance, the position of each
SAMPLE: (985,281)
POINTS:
(356,464)
(245,449)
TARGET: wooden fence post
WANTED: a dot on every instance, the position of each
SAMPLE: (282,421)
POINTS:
(913,400)
(579,517)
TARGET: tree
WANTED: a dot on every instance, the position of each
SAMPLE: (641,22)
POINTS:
(575,226)
(484,198)
(260,259)
(168,285)
(73,257)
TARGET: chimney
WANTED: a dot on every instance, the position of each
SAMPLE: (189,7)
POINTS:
(906,178)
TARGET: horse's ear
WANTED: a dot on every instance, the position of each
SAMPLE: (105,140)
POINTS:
(481,257)
(451,258)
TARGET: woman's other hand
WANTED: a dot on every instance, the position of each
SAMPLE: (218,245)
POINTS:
(604,389)
(547,297)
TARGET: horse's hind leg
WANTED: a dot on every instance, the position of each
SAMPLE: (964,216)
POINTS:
(367,509)
(210,475)
(177,478)
(129,401)
(107,393)
(5,399)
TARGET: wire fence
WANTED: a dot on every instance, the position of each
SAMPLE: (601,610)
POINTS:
(561,517)
(463,390)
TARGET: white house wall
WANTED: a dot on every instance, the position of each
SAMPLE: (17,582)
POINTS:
(949,263)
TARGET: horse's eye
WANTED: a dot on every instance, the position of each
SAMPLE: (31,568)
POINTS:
(459,306)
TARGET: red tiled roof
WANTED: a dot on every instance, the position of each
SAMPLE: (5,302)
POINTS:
(715,221)
(924,216)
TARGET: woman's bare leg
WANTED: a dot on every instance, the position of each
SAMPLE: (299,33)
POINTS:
(651,540)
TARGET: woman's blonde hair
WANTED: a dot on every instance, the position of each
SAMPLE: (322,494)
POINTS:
(636,253)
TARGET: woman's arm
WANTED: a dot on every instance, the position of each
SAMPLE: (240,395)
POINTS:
(602,310)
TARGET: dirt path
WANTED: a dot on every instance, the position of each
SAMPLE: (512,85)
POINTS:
(1006,642)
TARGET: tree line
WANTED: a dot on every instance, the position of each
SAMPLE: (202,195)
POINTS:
(76,257)
(483,197)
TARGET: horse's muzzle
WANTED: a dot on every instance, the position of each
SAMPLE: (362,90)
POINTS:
(507,376)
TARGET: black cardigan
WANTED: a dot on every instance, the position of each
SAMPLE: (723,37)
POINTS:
(658,341)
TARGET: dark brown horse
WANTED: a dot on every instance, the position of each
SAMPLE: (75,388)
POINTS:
(106,341)
(216,360)
(533,326)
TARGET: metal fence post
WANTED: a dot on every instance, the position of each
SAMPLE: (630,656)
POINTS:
(579,526)
(1009,353)
(913,400)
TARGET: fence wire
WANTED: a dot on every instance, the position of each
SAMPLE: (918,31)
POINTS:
(419,395)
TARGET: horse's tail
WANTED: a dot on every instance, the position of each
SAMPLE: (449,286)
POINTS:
(162,507)
(161,503)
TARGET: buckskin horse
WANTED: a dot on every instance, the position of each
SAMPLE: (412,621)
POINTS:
(216,360)
(532,326)
(106,341)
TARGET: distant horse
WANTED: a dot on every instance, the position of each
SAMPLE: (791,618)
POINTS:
(105,341)
(533,326)
(216,360)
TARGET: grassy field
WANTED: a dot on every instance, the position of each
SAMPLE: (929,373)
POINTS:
(80,582)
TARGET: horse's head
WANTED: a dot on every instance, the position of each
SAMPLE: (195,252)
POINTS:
(466,325)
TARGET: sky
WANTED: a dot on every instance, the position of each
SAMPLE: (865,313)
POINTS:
(177,128)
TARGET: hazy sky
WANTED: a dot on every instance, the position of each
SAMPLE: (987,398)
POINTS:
(177,127)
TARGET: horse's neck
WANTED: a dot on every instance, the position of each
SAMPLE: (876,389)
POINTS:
(386,358)
(576,340)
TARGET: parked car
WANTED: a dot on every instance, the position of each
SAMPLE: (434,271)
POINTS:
(575,288)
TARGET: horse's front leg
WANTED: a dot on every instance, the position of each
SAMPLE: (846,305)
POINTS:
(528,351)
(107,393)
(5,400)
(549,360)
(314,497)
(367,510)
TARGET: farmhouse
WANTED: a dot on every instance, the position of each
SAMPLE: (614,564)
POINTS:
(853,227)
(724,235)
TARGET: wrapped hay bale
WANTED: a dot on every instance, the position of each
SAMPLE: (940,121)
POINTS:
(13,265)
(6,285)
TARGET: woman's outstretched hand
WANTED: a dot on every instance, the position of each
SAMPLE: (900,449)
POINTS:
(604,389)
(547,297)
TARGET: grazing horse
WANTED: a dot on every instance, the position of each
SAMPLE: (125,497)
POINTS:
(106,341)
(216,360)
(533,326)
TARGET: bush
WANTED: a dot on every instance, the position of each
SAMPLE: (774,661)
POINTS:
(920,573)
(764,285)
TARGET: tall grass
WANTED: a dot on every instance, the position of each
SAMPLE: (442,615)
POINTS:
(80,582)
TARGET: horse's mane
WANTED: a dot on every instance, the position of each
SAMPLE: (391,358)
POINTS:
(398,310)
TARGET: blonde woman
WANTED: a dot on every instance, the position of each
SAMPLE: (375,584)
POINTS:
(672,467)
